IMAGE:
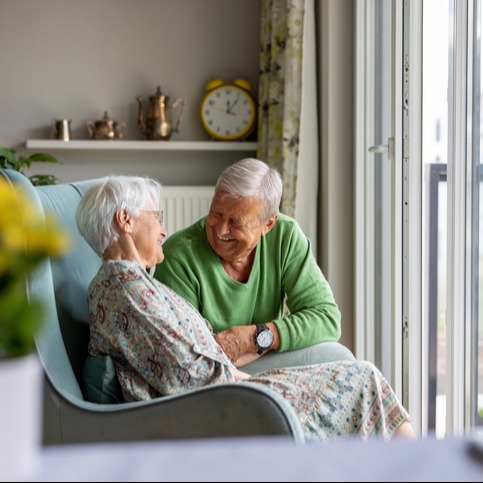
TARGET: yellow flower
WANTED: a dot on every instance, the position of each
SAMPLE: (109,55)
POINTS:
(26,238)
(23,231)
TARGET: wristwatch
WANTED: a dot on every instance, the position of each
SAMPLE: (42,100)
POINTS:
(263,338)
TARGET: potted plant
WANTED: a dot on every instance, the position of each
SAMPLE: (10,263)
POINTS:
(25,242)
(10,159)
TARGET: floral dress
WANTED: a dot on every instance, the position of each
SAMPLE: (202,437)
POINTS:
(162,346)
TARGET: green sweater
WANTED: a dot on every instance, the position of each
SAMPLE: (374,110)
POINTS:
(284,270)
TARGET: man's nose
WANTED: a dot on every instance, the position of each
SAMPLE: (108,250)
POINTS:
(223,226)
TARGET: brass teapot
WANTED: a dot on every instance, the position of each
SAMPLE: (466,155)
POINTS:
(158,124)
(106,128)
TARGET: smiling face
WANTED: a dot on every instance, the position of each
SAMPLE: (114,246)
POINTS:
(233,226)
(148,235)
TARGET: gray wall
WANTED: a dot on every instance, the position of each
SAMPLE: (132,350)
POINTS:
(336,27)
(76,59)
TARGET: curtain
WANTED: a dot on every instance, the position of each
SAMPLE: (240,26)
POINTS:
(280,95)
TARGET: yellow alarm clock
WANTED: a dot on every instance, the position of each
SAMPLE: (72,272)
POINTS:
(228,111)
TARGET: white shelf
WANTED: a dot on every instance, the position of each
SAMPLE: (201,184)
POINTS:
(50,144)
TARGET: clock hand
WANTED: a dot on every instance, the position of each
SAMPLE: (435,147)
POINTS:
(233,105)
(224,110)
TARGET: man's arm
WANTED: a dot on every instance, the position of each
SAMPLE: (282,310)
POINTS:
(239,343)
(174,274)
(313,313)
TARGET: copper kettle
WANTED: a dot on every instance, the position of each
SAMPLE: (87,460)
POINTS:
(106,128)
(158,124)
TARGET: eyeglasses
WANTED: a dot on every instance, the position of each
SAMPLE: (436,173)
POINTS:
(159,214)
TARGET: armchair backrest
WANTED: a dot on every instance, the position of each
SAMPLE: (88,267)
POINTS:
(72,273)
(62,345)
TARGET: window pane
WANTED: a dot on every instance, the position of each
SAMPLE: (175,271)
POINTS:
(435,157)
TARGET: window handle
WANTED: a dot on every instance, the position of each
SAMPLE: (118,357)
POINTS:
(379,148)
(384,149)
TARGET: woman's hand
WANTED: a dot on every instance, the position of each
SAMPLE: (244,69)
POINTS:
(241,376)
(246,359)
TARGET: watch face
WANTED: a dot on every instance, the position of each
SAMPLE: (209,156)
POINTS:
(228,113)
(265,339)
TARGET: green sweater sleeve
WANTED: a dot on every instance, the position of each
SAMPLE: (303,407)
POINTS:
(176,271)
(313,313)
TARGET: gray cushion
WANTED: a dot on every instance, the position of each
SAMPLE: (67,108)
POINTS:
(100,383)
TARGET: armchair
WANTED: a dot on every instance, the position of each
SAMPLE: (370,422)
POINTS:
(229,410)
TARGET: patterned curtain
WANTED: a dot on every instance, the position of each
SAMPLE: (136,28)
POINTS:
(280,96)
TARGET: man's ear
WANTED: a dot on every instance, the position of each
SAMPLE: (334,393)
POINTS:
(269,225)
(123,221)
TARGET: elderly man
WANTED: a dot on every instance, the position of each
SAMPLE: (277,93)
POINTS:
(245,264)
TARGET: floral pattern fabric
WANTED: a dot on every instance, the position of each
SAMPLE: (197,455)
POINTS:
(162,346)
(280,91)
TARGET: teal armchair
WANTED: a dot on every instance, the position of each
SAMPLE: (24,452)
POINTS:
(230,410)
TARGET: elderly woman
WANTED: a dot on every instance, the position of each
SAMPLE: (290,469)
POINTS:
(162,345)
(244,262)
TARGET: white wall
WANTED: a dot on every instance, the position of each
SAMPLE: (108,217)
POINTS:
(76,59)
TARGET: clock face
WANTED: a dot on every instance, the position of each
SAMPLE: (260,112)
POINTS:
(265,339)
(228,113)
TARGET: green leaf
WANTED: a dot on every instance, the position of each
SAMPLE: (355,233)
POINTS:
(43,179)
(43,158)
(9,160)
(24,162)
(19,324)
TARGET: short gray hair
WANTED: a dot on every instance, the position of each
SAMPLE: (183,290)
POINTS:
(252,178)
(96,212)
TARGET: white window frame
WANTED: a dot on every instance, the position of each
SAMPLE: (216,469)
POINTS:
(459,294)
(412,256)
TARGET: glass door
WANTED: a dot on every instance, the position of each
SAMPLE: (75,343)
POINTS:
(381,91)
(375,181)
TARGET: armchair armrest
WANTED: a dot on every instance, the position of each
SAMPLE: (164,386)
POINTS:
(317,354)
(228,410)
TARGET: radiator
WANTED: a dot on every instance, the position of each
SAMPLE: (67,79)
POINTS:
(183,205)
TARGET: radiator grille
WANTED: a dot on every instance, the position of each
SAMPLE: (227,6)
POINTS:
(183,205)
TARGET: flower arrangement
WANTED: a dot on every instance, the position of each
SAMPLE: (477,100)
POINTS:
(26,239)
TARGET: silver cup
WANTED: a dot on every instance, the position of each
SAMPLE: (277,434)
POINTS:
(61,129)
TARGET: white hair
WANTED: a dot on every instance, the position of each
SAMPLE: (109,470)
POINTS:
(96,212)
(252,178)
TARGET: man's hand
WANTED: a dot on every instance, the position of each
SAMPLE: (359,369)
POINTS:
(238,341)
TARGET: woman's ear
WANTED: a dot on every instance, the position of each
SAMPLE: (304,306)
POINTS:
(123,221)
(269,225)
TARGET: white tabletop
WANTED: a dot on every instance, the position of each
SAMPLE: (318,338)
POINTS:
(264,460)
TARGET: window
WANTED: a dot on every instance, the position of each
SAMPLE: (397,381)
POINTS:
(420,213)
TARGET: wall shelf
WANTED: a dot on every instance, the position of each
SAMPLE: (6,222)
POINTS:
(50,144)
